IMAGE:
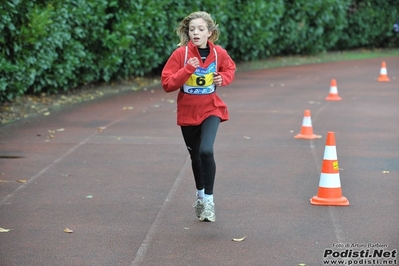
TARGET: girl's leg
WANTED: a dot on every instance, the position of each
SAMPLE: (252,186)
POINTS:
(192,138)
(199,141)
(208,135)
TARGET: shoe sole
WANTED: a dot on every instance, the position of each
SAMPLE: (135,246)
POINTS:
(207,219)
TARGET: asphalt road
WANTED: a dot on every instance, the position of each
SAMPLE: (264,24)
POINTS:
(115,171)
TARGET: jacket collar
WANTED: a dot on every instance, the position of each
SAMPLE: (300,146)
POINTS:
(191,46)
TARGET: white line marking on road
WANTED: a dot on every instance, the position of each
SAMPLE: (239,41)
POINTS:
(141,252)
(339,233)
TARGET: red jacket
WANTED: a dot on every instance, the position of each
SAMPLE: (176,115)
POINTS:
(192,109)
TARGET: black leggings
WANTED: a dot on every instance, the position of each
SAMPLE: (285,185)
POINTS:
(199,141)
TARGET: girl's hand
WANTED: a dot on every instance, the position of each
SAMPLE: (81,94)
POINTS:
(194,62)
(217,79)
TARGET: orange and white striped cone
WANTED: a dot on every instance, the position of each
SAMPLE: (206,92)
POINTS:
(333,95)
(307,129)
(329,192)
(383,73)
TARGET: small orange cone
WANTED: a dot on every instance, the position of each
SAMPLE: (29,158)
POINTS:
(307,129)
(333,95)
(383,73)
(330,193)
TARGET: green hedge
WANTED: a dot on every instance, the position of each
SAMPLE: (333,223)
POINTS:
(51,46)
(370,24)
(310,27)
(250,27)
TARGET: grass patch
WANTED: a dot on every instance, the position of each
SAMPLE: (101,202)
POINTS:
(295,60)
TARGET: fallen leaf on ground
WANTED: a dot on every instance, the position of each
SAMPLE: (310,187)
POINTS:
(127,108)
(60,129)
(239,239)
(385,172)
(21,180)
(3,230)
(101,129)
(67,230)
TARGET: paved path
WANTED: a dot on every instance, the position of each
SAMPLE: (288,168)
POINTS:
(116,172)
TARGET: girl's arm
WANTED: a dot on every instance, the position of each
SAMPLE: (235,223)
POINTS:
(226,68)
(175,73)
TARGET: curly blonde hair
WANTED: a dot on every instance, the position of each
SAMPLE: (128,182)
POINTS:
(182,29)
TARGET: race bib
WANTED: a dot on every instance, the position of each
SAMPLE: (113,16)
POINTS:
(201,81)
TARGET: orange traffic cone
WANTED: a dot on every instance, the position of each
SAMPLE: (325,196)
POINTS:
(333,95)
(329,192)
(383,73)
(307,129)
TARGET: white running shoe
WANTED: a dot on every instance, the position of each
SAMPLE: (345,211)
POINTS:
(199,207)
(208,213)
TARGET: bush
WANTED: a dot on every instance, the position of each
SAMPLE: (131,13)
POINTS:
(310,27)
(251,27)
(52,46)
(42,48)
(370,25)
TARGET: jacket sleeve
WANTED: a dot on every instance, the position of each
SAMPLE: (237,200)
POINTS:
(226,68)
(175,73)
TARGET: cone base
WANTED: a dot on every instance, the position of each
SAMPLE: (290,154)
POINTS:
(302,136)
(342,201)
(383,79)
(335,98)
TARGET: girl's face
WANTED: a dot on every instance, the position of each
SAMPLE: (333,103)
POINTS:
(198,32)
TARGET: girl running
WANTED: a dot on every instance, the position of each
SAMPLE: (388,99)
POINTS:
(196,69)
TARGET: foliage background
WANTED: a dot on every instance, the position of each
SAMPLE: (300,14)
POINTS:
(52,46)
